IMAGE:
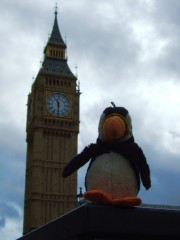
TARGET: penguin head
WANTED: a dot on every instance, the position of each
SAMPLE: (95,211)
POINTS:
(115,125)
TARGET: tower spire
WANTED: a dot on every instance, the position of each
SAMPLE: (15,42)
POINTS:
(55,34)
(55,55)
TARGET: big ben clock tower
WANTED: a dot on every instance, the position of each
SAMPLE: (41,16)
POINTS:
(52,132)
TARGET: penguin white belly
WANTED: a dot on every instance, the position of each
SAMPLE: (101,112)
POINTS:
(113,174)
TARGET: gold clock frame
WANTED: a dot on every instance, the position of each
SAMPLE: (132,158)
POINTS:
(68,96)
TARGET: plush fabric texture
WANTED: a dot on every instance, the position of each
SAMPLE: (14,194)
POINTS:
(106,174)
(128,149)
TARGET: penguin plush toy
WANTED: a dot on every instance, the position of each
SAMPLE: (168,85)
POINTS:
(117,163)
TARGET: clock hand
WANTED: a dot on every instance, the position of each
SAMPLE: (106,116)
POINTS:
(58,104)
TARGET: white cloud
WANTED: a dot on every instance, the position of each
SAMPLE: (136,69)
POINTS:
(13,226)
(12,229)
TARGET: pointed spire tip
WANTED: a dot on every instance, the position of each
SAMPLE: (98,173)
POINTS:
(56,9)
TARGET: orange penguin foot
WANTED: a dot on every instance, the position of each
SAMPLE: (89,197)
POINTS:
(98,196)
(127,201)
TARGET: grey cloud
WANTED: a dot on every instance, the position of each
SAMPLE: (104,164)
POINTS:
(12,177)
(175,134)
(164,189)
(106,44)
(2,221)
(12,138)
(7,211)
(167,11)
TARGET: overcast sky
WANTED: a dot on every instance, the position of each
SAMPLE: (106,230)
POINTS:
(127,51)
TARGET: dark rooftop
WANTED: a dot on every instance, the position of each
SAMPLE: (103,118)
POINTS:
(107,222)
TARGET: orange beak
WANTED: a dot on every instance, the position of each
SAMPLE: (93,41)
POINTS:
(114,128)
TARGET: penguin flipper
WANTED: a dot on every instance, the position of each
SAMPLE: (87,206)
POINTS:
(79,160)
(143,167)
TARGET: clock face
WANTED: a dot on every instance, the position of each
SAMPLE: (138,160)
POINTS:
(58,105)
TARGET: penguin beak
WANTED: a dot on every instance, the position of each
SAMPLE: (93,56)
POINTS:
(114,128)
